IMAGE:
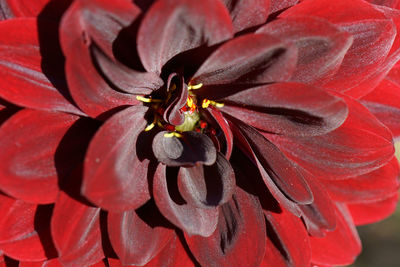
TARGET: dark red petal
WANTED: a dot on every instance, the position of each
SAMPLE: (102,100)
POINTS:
(75,229)
(287,109)
(277,5)
(173,113)
(171,27)
(248,59)
(135,239)
(47,263)
(115,175)
(224,126)
(81,31)
(339,247)
(192,220)
(20,8)
(29,141)
(372,186)
(388,3)
(207,186)
(247,13)
(281,171)
(361,145)
(370,212)
(384,103)
(287,240)
(239,239)
(21,75)
(321,46)
(190,149)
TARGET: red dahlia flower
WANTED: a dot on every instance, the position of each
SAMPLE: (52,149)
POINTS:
(183,132)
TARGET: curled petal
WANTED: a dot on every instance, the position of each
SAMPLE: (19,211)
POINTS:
(188,150)
(193,220)
(239,239)
(173,113)
(224,126)
(289,109)
(115,174)
(207,186)
(171,27)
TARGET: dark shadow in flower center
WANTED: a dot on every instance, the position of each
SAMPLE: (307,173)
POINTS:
(151,215)
(172,185)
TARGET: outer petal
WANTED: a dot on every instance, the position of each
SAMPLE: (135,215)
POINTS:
(192,220)
(248,59)
(20,8)
(137,236)
(239,239)
(75,228)
(83,28)
(207,186)
(321,46)
(23,81)
(339,247)
(372,186)
(361,145)
(29,141)
(174,26)
(247,13)
(115,173)
(289,109)
(365,213)
(278,5)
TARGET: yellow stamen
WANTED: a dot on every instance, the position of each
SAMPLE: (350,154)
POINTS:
(189,102)
(148,100)
(172,134)
(195,87)
(206,103)
(149,127)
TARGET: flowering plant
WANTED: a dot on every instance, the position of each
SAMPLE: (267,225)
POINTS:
(183,132)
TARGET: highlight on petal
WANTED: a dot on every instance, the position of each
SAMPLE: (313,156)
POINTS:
(28,167)
(289,109)
(22,78)
(247,13)
(136,236)
(171,27)
(75,228)
(193,220)
(115,174)
(188,150)
(207,186)
(239,239)
(248,59)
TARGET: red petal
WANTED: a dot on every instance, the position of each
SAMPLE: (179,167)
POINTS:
(207,186)
(248,59)
(339,247)
(287,240)
(171,27)
(20,8)
(278,5)
(372,186)
(365,213)
(321,46)
(137,238)
(75,229)
(48,263)
(29,141)
(192,220)
(224,126)
(239,239)
(21,74)
(361,145)
(287,109)
(115,175)
(247,13)
(388,3)
(78,35)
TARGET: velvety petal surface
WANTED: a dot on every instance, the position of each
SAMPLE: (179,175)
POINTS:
(247,13)
(207,186)
(20,8)
(115,172)
(193,220)
(278,5)
(29,141)
(290,109)
(248,59)
(137,239)
(239,239)
(224,126)
(171,27)
(75,228)
(21,75)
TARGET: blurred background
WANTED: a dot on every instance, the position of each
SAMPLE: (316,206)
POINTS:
(381,241)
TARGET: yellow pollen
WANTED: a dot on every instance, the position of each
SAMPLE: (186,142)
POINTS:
(195,87)
(206,103)
(149,127)
(148,100)
(172,134)
(189,102)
